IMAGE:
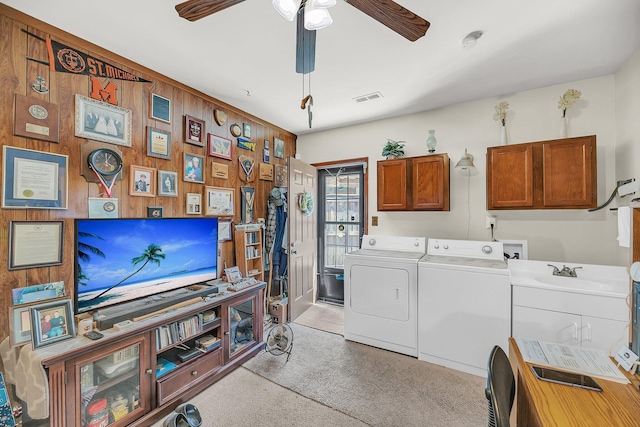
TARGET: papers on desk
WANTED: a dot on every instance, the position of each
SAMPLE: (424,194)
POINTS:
(581,360)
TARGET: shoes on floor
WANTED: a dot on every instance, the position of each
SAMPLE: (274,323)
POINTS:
(176,420)
(191,414)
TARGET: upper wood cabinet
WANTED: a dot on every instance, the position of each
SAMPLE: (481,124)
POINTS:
(556,174)
(414,183)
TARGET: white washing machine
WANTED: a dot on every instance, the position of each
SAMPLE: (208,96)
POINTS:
(380,293)
(464,303)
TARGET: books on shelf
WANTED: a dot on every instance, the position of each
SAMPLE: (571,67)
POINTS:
(163,366)
(172,333)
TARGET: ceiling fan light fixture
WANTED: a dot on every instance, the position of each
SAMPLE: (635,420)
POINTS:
(323,3)
(316,18)
(287,8)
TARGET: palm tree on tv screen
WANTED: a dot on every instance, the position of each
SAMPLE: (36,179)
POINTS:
(84,253)
(152,254)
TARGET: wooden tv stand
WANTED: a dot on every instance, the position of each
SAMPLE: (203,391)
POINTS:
(138,372)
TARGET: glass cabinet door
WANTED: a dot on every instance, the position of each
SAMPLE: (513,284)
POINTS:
(110,386)
(242,324)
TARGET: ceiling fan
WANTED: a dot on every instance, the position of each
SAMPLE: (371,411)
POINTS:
(387,12)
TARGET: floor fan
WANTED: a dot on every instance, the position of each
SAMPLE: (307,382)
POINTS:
(280,340)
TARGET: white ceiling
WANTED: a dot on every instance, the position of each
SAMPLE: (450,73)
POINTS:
(245,55)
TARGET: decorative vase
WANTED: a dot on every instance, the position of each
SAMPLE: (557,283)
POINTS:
(431,141)
(503,135)
(563,127)
(391,157)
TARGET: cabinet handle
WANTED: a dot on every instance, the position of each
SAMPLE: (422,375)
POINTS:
(589,334)
(149,371)
(575,331)
(194,373)
(226,333)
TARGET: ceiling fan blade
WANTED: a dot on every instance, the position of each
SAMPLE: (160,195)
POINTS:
(193,10)
(305,47)
(389,13)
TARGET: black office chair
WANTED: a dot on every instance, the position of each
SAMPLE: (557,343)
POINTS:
(500,388)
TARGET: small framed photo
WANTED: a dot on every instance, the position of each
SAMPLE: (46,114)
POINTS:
(20,324)
(51,322)
(167,183)
(266,156)
(154,212)
(102,121)
(194,131)
(246,130)
(225,230)
(34,179)
(193,168)
(158,143)
(160,108)
(35,244)
(142,181)
(194,204)
(233,273)
(278,148)
(220,147)
(266,144)
(220,201)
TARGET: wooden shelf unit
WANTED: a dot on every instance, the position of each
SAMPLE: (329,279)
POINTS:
(249,254)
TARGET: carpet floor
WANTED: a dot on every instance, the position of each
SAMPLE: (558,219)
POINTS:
(378,387)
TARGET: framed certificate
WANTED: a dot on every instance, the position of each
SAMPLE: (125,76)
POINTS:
(35,244)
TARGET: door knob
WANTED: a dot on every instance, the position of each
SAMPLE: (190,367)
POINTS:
(293,251)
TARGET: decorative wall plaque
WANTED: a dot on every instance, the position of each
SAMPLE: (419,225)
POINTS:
(266,172)
(36,119)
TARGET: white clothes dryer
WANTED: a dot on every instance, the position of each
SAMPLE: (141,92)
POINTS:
(380,293)
(464,304)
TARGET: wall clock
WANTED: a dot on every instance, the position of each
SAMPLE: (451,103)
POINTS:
(106,164)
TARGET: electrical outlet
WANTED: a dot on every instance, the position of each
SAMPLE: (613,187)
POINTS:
(374,221)
(492,220)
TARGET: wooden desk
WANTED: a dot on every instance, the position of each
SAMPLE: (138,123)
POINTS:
(544,404)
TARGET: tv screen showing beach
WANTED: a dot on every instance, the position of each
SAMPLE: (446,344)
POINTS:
(125,259)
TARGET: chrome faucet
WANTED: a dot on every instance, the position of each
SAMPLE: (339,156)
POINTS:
(565,272)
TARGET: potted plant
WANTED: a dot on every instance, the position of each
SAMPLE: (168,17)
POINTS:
(393,149)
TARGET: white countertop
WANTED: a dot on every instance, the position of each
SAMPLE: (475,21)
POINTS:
(605,280)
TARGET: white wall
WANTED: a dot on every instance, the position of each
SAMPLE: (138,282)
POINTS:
(553,235)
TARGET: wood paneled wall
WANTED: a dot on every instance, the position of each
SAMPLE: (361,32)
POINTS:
(17,73)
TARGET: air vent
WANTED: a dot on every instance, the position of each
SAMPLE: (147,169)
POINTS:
(369,97)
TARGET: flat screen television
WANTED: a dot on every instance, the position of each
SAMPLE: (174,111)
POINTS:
(124,259)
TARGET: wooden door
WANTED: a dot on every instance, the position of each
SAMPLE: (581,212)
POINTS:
(510,176)
(569,173)
(302,238)
(430,189)
(393,185)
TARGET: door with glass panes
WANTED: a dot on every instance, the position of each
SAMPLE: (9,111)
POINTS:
(341,226)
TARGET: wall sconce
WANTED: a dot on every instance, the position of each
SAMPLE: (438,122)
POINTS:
(287,8)
(465,162)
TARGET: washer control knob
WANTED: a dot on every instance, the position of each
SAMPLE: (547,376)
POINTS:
(437,246)
(416,244)
(372,242)
(446,246)
(487,249)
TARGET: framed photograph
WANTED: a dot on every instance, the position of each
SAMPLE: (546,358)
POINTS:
(160,108)
(194,204)
(278,148)
(246,130)
(154,212)
(167,183)
(220,201)
(20,323)
(37,293)
(194,131)
(35,244)
(51,322)
(36,119)
(193,168)
(266,156)
(225,230)
(142,181)
(266,144)
(220,147)
(99,207)
(34,179)
(158,143)
(233,274)
(101,121)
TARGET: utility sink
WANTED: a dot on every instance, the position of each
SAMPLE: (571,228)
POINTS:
(580,284)
(593,279)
